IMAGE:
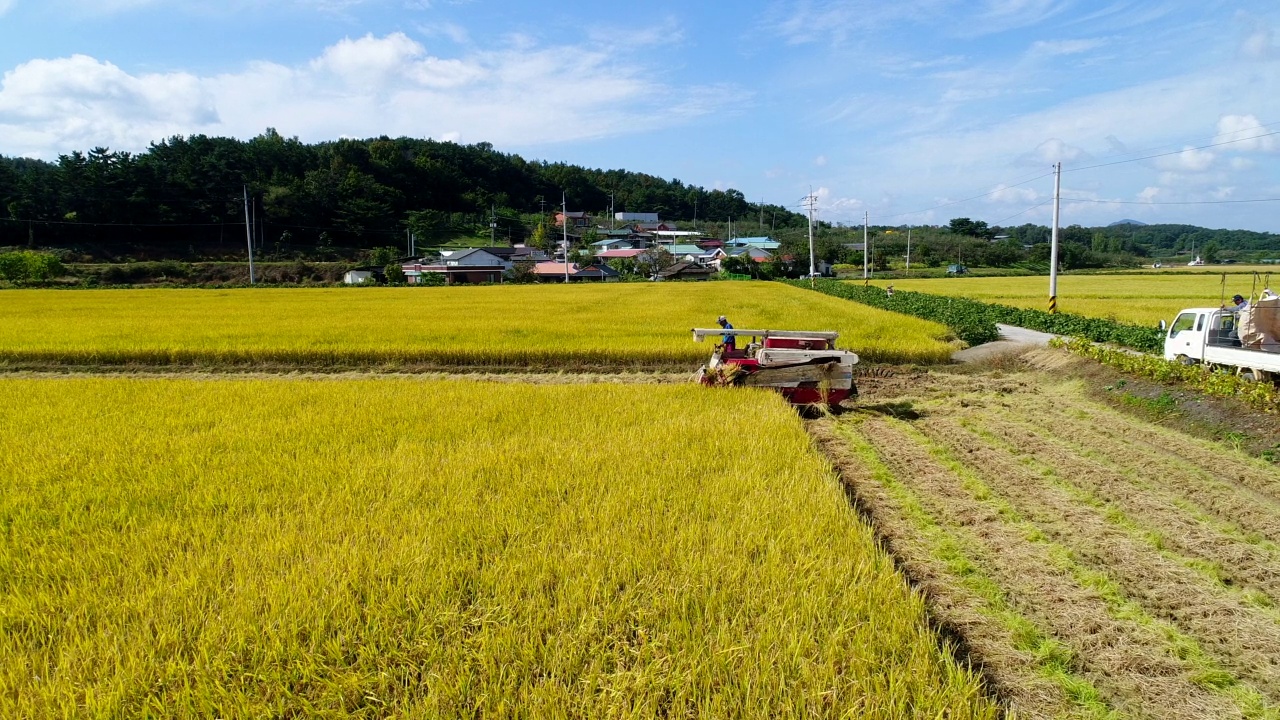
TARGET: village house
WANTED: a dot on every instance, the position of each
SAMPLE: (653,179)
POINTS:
(367,275)
(686,271)
(763,243)
(611,244)
(632,217)
(686,252)
(576,219)
(636,254)
(473,265)
(555,272)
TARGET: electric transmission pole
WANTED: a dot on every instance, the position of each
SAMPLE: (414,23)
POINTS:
(811,201)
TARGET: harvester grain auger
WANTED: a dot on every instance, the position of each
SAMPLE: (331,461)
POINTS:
(802,365)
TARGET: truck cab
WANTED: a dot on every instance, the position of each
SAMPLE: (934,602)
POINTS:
(1195,329)
(1212,337)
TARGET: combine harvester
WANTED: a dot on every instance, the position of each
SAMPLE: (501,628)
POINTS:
(802,365)
(1246,343)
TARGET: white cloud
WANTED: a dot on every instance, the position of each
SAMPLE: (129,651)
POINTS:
(1000,15)
(1014,195)
(806,21)
(1189,160)
(820,161)
(1239,163)
(1054,150)
(6,6)
(1149,194)
(1246,129)
(363,87)
(830,205)
(45,103)
(1050,48)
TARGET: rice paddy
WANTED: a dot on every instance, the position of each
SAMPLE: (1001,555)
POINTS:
(397,547)
(1144,299)
(614,326)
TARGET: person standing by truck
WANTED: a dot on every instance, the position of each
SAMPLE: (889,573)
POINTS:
(1238,304)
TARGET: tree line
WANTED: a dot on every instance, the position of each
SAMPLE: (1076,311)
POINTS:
(184,197)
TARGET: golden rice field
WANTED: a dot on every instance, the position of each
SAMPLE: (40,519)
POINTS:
(614,325)
(393,547)
(1142,299)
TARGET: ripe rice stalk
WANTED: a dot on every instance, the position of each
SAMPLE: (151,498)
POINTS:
(401,547)
(616,326)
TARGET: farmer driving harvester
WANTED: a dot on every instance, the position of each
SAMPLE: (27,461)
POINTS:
(728,340)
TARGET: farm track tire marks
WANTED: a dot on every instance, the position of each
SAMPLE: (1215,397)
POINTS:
(1194,454)
(1240,637)
(1130,662)
(1208,485)
(1235,560)
(960,611)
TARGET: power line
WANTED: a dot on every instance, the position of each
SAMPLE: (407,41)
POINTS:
(1168,145)
(975,197)
(1175,152)
(1173,202)
(1024,212)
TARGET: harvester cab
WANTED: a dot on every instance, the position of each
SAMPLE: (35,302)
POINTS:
(803,365)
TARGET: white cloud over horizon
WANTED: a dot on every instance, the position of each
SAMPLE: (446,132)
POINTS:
(366,86)
(898,109)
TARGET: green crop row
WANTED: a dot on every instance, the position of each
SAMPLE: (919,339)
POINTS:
(1260,395)
(975,322)
(966,318)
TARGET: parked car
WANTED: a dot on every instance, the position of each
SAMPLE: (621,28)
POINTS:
(957,269)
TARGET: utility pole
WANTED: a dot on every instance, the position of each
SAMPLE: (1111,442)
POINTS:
(612,215)
(1053,251)
(908,251)
(810,201)
(695,212)
(866,249)
(248,233)
(493,225)
(761,213)
(564,204)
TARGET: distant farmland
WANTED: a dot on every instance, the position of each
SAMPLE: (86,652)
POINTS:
(1144,299)
(626,325)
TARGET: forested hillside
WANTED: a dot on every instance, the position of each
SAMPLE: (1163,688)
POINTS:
(184,197)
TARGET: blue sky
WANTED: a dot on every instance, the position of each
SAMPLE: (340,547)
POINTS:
(913,111)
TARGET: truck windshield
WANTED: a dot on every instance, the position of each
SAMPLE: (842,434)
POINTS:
(1185,321)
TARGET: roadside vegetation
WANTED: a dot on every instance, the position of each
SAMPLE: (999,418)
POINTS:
(975,322)
(616,326)
(1263,396)
(374,548)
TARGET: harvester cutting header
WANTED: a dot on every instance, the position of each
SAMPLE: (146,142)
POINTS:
(801,364)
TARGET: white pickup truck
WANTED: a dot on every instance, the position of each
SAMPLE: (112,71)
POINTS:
(1211,336)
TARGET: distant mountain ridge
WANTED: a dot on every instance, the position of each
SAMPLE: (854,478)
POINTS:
(1127,221)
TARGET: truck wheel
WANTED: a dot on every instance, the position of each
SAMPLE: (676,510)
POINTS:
(1183,359)
(1250,375)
